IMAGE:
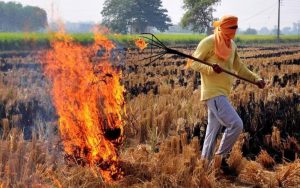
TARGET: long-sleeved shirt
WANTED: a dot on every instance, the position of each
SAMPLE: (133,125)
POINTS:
(212,83)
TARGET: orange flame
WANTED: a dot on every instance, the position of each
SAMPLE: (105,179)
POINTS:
(141,44)
(89,101)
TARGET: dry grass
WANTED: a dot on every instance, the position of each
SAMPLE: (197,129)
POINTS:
(34,164)
(236,161)
(275,138)
(154,122)
(174,167)
(177,164)
(255,175)
(21,162)
(289,175)
(265,160)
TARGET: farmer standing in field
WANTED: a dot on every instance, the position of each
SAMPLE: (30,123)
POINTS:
(220,50)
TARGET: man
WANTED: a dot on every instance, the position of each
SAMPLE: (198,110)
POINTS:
(220,50)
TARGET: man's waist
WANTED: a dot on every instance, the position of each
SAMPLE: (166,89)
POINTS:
(210,93)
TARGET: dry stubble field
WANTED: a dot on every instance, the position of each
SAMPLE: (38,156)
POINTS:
(164,124)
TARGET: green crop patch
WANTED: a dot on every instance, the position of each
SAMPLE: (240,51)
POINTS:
(30,41)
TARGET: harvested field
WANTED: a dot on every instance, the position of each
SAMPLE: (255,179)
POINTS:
(164,124)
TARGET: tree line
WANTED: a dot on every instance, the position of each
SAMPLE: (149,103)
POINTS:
(120,16)
(14,17)
(137,16)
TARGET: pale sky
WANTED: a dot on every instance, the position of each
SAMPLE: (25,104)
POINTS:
(251,13)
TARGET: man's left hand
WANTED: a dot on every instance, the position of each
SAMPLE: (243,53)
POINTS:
(217,68)
(261,84)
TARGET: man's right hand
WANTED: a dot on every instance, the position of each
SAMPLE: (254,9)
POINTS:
(261,84)
(217,68)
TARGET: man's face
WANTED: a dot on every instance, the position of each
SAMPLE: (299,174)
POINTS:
(232,31)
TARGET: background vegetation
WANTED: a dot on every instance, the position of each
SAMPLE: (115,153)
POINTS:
(135,16)
(198,15)
(15,17)
(29,41)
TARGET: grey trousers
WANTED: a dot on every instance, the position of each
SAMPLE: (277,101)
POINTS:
(221,113)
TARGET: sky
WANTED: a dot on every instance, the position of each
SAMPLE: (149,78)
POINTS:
(251,13)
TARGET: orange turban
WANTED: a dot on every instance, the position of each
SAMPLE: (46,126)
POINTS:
(224,31)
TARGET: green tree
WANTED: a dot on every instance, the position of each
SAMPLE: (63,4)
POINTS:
(14,17)
(116,14)
(136,15)
(34,18)
(198,16)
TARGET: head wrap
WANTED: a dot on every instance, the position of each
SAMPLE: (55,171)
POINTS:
(223,35)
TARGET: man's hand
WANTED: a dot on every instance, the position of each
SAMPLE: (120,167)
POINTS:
(217,68)
(261,84)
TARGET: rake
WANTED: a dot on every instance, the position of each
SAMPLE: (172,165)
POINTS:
(154,41)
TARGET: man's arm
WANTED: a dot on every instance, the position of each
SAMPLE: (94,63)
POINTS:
(242,70)
(201,53)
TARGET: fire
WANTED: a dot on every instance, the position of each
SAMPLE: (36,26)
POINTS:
(89,101)
(141,44)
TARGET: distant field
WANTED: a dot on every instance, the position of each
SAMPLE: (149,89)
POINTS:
(27,41)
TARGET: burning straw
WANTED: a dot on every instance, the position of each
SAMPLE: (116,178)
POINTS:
(89,102)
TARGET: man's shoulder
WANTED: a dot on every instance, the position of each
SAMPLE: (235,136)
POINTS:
(209,40)
(233,44)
